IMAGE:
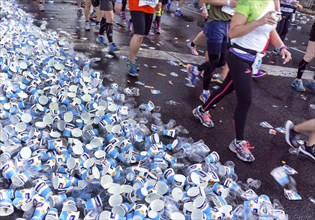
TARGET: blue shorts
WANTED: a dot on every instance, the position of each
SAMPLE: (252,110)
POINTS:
(217,36)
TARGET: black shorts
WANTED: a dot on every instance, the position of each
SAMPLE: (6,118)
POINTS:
(312,34)
(141,22)
(107,5)
(164,2)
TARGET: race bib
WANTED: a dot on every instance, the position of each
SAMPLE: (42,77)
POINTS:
(151,3)
(228,10)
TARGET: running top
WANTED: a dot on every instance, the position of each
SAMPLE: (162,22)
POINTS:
(216,14)
(253,10)
(134,6)
(287,6)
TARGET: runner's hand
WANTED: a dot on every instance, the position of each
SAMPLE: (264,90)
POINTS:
(118,7)
(233,3)
(267,19)
(286,55)
(205,13)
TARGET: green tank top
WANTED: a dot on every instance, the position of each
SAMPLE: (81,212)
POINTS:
(216,14)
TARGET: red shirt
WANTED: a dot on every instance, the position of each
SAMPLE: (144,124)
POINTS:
(134,6)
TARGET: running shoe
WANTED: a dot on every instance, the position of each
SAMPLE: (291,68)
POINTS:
(178,13)
(158,30)
(192,49)
(260,73)
(291,135)
(192,74)
(242,150)
(204,96)
(112,48)
(217,78)
(87,26)
(310,86)
(168,6)
(41,7)
(101,41)
(123,15)
(129,26)
(133,68)
(297,84)
(204,117)
(308,151)
(80,12)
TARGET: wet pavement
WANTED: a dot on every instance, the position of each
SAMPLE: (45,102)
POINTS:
(273,99)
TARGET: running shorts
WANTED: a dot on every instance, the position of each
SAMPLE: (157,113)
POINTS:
(164,2)
(141,22)
(107,5)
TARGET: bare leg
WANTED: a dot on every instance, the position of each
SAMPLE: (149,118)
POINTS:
(135,44)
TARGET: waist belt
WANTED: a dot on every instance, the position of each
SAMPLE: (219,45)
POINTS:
(252,52)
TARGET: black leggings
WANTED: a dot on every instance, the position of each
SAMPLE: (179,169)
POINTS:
(239,79)
(215,60)
(124,3)
(284,24)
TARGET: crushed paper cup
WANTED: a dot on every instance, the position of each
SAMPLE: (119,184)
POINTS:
(6,207)
(292,195)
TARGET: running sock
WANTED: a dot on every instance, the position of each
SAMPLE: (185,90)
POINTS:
(302,67)
(109,31)
(192,44)
(102,26)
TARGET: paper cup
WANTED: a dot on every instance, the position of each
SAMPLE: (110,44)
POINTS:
(197,214)
(115,200)
(177,194)
(157,205)
(177,216)
(106,181)
(68,117)
(6,207)
(193,192)
(20,127)
(25,153)
(114,189)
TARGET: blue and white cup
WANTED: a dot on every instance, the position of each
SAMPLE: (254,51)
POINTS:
(140,212)
(21,179)
(93,203)
(233,185)
(111,151)
(9,169)
(220,190)
(197,214)
(69,205)
(218,201)
(6,207)
(188,209)
(201,203)
(43,189)
(169,175)
(110,216)
(57,200)
(225,170)
(6,194)
(69,215)
(169,132)
(25,193)
(169,158)
(121,209)
(41,210)
(52,214)
(153,139)
(193,192)
(180,180)
(212,157)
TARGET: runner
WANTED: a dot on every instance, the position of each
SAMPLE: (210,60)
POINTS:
(159,9)
(297,84)
(252,26)
(216,31)
(107,10)
(287,9)
(142,19)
